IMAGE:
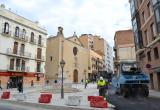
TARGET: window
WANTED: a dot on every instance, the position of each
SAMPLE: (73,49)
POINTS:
(39,52)
(22,49)
(18,64)
(38,67)
(11,67)
(146,37)
(15,48)
(143,17)
(32,37)
(17,32)
(154,1)
(149,9)
(23,67)
(6,28)
(132,7)
(75,51)
(153,31)
(51,58)
(23,33)
(156,54)
(157,15)
(140,1)
(39,39)
(149,56)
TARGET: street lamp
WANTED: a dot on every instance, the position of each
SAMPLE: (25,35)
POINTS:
(62,63)
(85,78)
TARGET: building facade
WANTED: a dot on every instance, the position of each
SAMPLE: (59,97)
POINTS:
(100,46)
(95,64)
(145,16)
(22,50)
(124,47)
(72,52)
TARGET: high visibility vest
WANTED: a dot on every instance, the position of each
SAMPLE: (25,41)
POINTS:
(101,83)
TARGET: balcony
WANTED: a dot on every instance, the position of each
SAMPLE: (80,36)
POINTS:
(40,58)
(21,38)
(17,68)
(6,34)
(39,70)
(18,53)
(33,42)
(41,44)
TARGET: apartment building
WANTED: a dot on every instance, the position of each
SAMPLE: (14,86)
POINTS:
(95,64)
(22,50)
(100,46)
(124,47)
(145,16)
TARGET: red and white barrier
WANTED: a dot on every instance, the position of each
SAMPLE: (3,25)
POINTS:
(45,98)
(97,102)
(5,95)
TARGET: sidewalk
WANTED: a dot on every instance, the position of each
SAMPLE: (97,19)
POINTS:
(153,93)
(32,96)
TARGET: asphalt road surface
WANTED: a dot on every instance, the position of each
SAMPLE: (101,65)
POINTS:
(134,103)
(9,106)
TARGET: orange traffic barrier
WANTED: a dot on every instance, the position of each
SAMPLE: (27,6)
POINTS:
(5,95)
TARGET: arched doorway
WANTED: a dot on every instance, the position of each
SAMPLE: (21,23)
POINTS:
(75,76)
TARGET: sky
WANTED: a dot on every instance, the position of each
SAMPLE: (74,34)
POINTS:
(96,17)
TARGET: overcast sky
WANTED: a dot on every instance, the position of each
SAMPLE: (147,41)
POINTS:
(100,17)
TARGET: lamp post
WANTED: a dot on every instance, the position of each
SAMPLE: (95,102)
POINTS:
(62,63)
(85,78)
(85,75)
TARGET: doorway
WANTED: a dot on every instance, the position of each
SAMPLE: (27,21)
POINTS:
(14,81)
(75,76)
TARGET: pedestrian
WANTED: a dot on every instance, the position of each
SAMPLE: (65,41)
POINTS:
(20,86)
(86,82)
(8,84)
(32,83)
(0,85)
(47,82)
(102,87)
(81,80)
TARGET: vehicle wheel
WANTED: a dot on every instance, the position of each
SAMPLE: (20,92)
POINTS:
(125,93)
(116,92)
(145,92)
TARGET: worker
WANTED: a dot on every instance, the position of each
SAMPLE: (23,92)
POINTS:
(86,82)
(101,86)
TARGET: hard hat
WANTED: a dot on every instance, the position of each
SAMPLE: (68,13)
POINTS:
(101,78)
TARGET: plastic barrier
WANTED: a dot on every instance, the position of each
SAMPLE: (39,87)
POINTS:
(97,101)
(5,95)
(45,98)
(100,104)
(46,95)
(96,98)
(74,100)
